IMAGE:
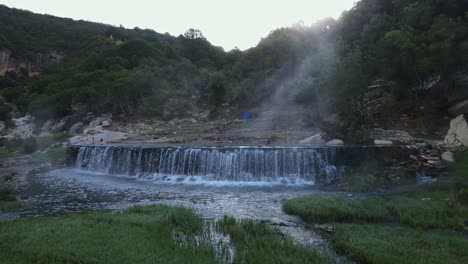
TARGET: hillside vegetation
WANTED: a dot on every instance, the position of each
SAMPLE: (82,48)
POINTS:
(419,47)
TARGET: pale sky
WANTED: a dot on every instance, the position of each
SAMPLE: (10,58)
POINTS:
(225,23)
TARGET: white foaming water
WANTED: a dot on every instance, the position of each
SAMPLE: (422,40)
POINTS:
(213,166)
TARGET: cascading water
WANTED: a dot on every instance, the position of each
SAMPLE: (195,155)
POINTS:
(270,165)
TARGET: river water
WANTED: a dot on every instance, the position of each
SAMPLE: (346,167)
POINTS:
(70,190)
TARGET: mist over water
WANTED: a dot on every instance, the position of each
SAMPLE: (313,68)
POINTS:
(298,96)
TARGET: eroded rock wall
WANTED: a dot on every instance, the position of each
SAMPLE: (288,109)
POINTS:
(32,64)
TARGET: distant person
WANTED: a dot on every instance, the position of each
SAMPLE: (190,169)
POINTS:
(93,141)
(101,141)
(245,115)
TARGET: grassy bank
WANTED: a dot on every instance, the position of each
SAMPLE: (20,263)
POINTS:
(415,212)
(380,244)
(8,199)
(142,235)
(138,235)
(257,243)
(407,220)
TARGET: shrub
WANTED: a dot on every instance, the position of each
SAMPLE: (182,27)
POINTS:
(463,196)
(6,194)
(29,145)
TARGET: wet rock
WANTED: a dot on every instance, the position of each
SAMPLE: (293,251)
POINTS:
(335,142)
(448,157)
(426,159)
(383,142)
(458,133)
(317,139)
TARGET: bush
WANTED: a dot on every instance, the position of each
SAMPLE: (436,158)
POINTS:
(5,112)
(29,145)
(13,144)
(60,137)
(360,181)
(463,196)
(6,194)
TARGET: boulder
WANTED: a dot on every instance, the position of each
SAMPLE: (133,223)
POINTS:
(47,126)
(76,129)
(59,126)
(335,142)
(458,133)
(459,108)
(316,139)
(383,142)
(448,157)
(99,122)
(106,123)
(23,128)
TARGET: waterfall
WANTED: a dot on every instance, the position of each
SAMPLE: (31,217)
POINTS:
(282,165)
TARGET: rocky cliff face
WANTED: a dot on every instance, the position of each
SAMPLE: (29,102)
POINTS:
(32,64)
(458,133)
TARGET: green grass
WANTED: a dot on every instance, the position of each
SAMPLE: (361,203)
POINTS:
(138,235)
(440,206)
(6,194)
(52,139)
(377,244)
(336,209)
(8,199)
(257,243)
(55,156)
(360,182)
(5,153)
(8,206)
(408,211)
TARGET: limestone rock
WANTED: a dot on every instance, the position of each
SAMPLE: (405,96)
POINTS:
(335,142)
(99,122)
(458,132)
(106,123)
(105,135)
(76,129)
(23,127)
(59,126)
(448,157)
(33,63)
(316,139)
(47,126)
(383,142)
(392,135)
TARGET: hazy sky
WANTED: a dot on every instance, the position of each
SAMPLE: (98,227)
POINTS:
(226,23)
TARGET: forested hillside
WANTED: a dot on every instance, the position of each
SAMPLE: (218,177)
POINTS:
(417,48)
